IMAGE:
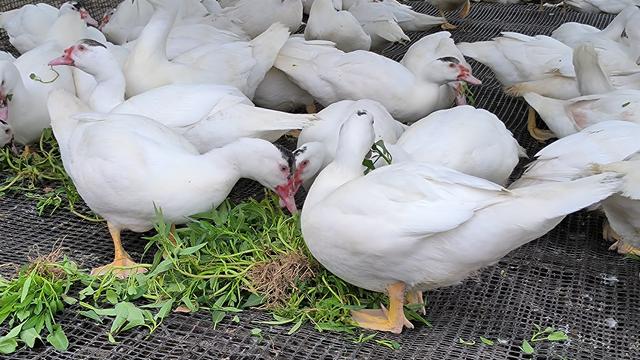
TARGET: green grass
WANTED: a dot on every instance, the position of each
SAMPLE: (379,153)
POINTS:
(225,261)
(39,175)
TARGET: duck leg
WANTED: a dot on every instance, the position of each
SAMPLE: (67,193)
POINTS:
(122,265)
(415,298)
(536,133)
(447,25)
(608,233)
(466,9)
(624,248)
(392,320)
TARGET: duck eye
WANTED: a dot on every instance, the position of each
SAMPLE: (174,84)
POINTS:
(284,168)
(82,48)
(305,163)
(452,65)
(7,131)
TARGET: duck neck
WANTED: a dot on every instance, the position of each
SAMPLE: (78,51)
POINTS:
(346,166)
(238,158)
(109,92)
(590,76)
(153,39)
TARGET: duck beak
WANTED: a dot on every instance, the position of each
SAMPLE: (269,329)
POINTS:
(286,193)
(465,75)
(84,15)
(64,59)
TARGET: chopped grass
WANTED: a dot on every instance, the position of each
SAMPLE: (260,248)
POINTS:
(40,176)
(233,258)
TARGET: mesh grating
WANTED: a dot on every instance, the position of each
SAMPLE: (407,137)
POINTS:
(567,279)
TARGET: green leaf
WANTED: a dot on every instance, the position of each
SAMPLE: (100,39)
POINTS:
(236,319)
(557,336)
(164,266)
(8,345)
(217,316)
(466,342)
(295,327)
(486,341)
(91,315)
(391,344)
(25,288)
(68,299)
(29,337)
(526,348)
(13,333)
(164,310)
(112,297)
(58,339)
(253,300)
(122,312)
(256,332)
(191,250)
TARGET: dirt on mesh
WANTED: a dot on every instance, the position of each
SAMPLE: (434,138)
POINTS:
(278,278)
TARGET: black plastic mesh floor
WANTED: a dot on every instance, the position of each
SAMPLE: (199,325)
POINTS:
(566,279)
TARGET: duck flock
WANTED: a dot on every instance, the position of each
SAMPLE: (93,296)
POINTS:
(167,104)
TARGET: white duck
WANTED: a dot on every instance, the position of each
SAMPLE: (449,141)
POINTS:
(566,117)
(574,34)
(330,75)
(209,116)
(472,141)
(607,144)
(607,6)
(278,92)
(613,53)
(23,99)
(32,25)
(338,26)
(317,144)
(256,16)
(411,227)
(543,63)
(126,190)
(125,22)
(379,22)
(245,63)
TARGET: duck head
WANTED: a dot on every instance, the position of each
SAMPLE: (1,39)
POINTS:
(355,138)
(106,18)
(87,55)
(271,165)
(449,69)
(310,158)
(77,6)
(6,135)
(9,78)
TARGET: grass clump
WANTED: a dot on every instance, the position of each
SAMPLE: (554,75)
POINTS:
(29,303)
(40,176)
(233,258)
